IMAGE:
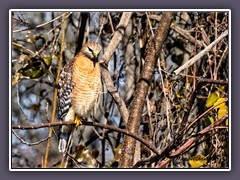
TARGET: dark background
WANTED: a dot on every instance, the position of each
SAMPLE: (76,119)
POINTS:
(123,4)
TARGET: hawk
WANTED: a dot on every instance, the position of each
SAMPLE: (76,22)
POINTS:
(79,87)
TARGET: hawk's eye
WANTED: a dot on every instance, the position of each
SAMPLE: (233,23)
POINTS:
(90,50)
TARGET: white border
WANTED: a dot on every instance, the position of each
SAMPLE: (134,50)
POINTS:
(117,10)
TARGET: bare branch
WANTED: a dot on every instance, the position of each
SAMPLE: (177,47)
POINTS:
(192,141)
(27,143)
(86,123)
(155,46)
(212,81)
(56,90)
(199,117)
(186,35)
(201,54)
(41,25)
(25,49)
(117,37)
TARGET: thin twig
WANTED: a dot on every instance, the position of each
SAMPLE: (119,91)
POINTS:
(47,118)
(111,24)
(151,29)
(201,54)
(204,36)
(186,35)
(212,81)
(215,47)
(222,57)
(57,25)
(56,90)
(27,143)
(25,49)
(164,92)
(192,141)
(199,117)
(100,32)
(150,118)
(40,25)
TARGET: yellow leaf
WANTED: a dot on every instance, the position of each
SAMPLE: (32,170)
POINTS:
(226,122)
(117,152)
(222,88)
(197,161)
(223,110)
(180,95)
(47,60)
(219,101)
(212,99)
(16,78)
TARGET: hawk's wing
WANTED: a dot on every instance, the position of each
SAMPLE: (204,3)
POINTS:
(65,86)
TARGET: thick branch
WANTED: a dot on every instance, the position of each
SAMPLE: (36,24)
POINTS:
(112,90)
(117,37)
(155,46)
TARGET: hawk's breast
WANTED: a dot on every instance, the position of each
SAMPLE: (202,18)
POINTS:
(86,89)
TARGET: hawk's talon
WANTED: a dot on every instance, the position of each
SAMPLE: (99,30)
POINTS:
(77,122)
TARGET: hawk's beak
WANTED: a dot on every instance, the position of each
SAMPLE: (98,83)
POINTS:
(96,53)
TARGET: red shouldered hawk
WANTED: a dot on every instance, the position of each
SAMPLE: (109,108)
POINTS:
(79,87)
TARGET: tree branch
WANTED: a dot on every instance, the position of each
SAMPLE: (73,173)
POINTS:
(192,141)
(201,54)
(25,49)
(56,90)
(186,35)
(165,152)
(133,124)
(213,81)
(87,123)
(117,37)
(27,143)
(41,25)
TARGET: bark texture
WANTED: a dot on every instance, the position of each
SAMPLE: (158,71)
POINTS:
(155,45)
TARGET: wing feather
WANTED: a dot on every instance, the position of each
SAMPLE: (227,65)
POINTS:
(65,86)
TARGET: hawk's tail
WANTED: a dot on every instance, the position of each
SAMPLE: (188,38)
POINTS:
(63,139)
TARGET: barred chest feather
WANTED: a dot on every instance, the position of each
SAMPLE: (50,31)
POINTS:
(87,87)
